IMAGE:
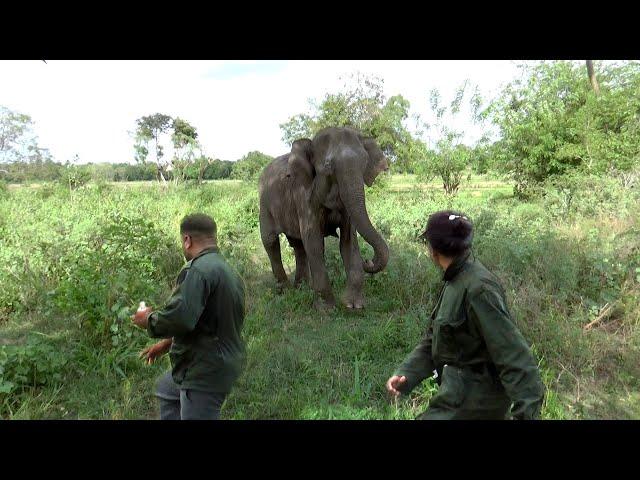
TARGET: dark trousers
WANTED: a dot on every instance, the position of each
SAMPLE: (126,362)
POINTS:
(186,404)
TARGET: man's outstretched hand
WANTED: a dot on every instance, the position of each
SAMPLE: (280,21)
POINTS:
(155,351)
(394,383)
(141,318)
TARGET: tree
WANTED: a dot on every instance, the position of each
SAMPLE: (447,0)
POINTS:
(149,129)
(250,166)
(449,162)
(17,141)
(592,77)
(201,164)
(185,146)
(219,169)
(551,122)
(450,157)
(363,106)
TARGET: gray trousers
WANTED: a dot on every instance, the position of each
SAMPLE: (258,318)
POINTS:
(186,404)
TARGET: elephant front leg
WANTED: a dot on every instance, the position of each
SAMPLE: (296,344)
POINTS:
(313,241)
(350,252)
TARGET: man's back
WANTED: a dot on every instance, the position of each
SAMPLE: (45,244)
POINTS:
(225,309)
(204,316)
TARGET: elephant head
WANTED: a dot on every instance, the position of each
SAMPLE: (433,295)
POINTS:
(344,157)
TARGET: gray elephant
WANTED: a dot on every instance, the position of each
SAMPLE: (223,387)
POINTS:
(310,193)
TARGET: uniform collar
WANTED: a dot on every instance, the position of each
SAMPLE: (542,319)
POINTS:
(205,251)
(458,265)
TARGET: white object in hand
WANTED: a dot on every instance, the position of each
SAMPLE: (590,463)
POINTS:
(142,306)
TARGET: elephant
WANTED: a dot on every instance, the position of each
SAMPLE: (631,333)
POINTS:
(310,193)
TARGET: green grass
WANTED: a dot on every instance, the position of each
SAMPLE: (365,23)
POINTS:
(93,253)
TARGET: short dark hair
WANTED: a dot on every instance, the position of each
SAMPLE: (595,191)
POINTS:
(448,232)
(199,225)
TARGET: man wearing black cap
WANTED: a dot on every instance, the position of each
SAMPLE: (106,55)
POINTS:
(482,362)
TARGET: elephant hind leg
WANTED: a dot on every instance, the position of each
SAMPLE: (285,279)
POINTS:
(302,266)
(271,242)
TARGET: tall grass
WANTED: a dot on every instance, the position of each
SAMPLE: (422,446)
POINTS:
(75,264)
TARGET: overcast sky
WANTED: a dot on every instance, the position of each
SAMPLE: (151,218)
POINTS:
(88,108)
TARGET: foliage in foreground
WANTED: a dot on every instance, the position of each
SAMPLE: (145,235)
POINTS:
(76,263)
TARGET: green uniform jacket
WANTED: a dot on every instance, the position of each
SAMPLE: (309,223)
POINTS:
(204,315)
(481,359)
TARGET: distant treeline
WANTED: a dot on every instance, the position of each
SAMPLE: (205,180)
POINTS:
(49,171)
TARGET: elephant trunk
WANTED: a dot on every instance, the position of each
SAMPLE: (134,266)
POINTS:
(352,194)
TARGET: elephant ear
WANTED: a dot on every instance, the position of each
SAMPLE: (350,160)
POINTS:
(372,148)
(300,164)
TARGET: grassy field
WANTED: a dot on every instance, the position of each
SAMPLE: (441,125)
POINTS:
(75,264)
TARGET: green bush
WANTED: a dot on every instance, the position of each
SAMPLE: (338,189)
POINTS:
(122,262)
(47,190)
(35,364)
(74,177)
(588,195)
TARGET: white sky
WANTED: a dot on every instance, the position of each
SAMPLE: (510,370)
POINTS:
(88,108)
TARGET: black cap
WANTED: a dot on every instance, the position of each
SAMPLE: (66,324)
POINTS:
(448,232)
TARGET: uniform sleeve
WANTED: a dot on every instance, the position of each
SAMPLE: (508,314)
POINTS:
(418,365)
(510,353)
(183,309)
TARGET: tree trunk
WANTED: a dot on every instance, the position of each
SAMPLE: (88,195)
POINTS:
(592,77)
(161,175)
(164,181)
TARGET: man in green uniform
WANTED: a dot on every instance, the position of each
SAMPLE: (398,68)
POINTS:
(201,324)
(481,361)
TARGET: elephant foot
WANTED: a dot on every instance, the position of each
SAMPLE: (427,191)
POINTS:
(323,305)
(353,301)
(354,306)
(282,286)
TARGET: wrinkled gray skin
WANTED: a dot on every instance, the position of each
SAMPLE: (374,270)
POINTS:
(310,193)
